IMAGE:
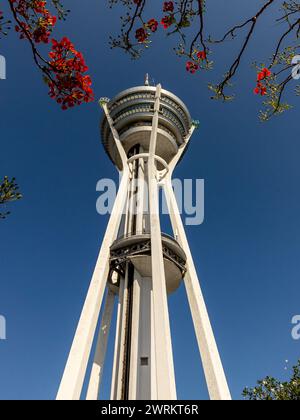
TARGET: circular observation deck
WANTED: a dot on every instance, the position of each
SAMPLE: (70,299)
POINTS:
(132,112)
(137,249)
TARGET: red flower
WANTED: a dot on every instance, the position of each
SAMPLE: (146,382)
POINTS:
(152,25)
(141,35)
(168,6)
(202,55)
(260,89)
(264,74)
(192,67)
(263,91)
(168,21)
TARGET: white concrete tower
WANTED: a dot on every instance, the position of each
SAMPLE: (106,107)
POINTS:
(145,132)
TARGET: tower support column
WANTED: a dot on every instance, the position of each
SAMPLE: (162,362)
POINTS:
(165,375)
(117,351)
(101,346)
(212,365)
(141,358)
(74,373)
(73,378)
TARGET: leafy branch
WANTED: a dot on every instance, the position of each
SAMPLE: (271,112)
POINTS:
(9,192)
(4,25)
(271,389)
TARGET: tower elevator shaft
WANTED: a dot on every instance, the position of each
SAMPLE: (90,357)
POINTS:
(134,362)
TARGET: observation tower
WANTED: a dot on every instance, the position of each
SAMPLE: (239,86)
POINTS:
(145,131)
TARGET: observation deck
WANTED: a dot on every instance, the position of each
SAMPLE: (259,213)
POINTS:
(132,112)
(136,248)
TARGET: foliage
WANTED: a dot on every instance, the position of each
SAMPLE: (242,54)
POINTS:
(271,389)
(4,25)
(9,192)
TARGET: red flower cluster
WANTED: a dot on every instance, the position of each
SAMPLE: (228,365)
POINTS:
(69,86)
(261,86)
(201,55)
(264,74)
(260,89)
(152,25)
(37,21)
(168,21)
(65,72)
(193,66)
(168,6)
(142,33)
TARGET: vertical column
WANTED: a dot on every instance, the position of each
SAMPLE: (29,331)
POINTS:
(98,365)
(138,284)
(74,374)
(131,206)
(154,395)
(214,372)
(117,351)
(141,195)
(145,359)
(165,376)
(122,342)
(135,337)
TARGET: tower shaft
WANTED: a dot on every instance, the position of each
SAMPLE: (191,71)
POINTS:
(144,364)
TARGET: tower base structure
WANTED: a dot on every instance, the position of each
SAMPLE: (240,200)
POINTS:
(145,132)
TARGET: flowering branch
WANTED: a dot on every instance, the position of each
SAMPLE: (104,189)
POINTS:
(200,34)
(184,14)
(129,21)
(252,22)
(281,65)
(276,82)
(64,69)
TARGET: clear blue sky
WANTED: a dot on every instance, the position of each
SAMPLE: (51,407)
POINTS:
(247,251)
